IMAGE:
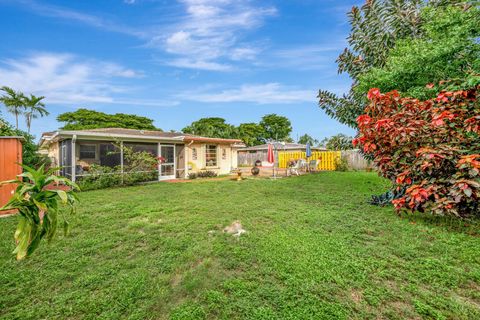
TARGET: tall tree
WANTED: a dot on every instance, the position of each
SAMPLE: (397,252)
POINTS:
(90,119)
(211,127)
(34,107)
(276,127)
(337,142)
(252,134)
(448,49)
(13,101)
(307,139)
(375,28)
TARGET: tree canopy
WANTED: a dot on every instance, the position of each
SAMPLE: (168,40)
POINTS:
(448,49)
(307,139)
(271,127)
(376,27)
(211,127)
(276,127)
(14,101)
(90,119)
(34,107)
(338,142)
(252,134)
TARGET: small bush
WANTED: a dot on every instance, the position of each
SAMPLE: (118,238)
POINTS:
(192,176)
(341,164)
(206,174)
(101,177)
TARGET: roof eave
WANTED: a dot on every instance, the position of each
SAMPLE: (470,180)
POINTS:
(69,133)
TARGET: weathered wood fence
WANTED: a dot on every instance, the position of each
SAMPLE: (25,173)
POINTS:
(354,159)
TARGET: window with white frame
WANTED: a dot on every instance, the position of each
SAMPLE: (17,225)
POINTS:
(88,151)
(210,155)
(194,153)
(224,153)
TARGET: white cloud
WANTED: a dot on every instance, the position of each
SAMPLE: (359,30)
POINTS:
(244,53)
(208,34)
(67,79)
(199,64)
(87,19)
(269,93)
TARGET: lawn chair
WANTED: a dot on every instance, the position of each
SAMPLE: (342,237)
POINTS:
(313,165)
(294,169)
(303,164)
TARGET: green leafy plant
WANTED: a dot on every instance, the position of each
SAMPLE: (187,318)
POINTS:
(192,176)
(338,142)
(307,139)
(402,44)
(206,174)
(429,148)
(341,164)
(89,119)
(37,201)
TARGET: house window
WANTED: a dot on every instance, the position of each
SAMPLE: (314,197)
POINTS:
(194,153)
(88,151)
(224,153)
(211,155)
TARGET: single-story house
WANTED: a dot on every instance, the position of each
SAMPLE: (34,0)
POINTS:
(248,155)
(180,153)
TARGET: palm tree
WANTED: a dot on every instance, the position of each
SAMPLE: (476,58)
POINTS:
(34,107)
(13,101)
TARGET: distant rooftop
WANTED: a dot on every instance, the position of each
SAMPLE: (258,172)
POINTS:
(280,146)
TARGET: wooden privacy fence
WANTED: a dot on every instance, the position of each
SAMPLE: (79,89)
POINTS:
(327,159)
(10,157)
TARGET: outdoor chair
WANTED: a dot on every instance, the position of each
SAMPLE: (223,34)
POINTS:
(295,168)
(303,164)
(313,165)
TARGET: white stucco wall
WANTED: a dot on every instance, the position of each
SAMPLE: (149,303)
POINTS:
(226,158)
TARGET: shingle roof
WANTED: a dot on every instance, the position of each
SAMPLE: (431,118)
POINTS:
(135,132)
(280,146)
(150,134)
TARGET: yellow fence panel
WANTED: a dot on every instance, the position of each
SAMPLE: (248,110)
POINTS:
(327,159)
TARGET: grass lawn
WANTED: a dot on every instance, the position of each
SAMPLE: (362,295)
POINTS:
(314,250)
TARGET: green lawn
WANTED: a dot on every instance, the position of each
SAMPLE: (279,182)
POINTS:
(314,250)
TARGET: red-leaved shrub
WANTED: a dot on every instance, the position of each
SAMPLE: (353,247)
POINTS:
(431,148)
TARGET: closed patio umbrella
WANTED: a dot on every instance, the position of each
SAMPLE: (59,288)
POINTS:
(270,155)
(308,153)
(308,150)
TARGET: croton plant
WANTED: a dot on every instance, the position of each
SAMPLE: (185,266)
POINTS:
(430,148)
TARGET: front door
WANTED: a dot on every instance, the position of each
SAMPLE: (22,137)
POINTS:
(167,167)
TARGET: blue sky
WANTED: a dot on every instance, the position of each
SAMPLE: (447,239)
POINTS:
(178,60)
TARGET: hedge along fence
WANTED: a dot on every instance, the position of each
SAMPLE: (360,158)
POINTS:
(327,159)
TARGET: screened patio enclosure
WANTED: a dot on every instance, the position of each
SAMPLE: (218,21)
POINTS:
(83,158)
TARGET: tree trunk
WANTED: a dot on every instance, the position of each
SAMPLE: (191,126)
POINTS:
(29,122)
